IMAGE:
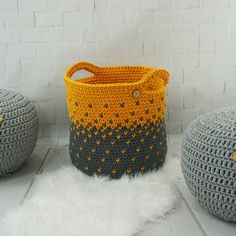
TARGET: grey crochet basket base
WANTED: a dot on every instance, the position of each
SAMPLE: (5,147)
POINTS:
(208,163)
(18,130)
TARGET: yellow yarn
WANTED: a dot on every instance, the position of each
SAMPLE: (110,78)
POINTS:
(116,95)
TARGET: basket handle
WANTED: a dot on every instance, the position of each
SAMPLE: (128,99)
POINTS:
(160,74)
(81,66)
(153,76)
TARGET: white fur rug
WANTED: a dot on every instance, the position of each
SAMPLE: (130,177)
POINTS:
(68,203)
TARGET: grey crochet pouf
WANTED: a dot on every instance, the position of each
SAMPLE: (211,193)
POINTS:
(209,162)
(18,130)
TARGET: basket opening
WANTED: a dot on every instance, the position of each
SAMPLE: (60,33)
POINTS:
(81,74)
(114,76)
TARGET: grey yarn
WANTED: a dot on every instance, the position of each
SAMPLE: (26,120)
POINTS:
(207,162)
(18,130)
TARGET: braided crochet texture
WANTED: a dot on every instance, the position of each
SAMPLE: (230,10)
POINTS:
(18,130)
(117,119)
(209,163)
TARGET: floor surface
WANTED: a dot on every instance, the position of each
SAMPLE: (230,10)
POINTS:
(187,219)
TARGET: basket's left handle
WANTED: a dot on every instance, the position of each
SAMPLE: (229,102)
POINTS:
(81,66)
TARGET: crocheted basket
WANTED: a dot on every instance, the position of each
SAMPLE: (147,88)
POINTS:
(209,162)
(117,119)
(18,130)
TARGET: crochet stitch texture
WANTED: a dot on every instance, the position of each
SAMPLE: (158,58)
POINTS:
(18,130)
(117,119)
(209,163)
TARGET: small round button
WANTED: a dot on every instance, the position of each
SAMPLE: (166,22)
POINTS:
(234,156)
(136,93)
(1,118)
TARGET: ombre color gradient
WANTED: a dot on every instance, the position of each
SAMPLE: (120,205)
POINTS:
(117,119)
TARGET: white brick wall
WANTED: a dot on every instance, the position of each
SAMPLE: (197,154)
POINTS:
(19,20)
(194,39)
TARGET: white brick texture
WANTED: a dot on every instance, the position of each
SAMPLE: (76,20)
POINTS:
(35,35)
(6,5)
(154,4)
(32,5)
(193,39)
(47,19)
(19,19)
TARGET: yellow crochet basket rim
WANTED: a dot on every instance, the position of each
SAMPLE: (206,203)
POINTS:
(96,69)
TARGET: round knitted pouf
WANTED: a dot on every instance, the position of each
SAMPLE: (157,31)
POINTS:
(18,130)
(209,162)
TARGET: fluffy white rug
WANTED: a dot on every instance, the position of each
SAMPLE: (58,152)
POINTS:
(67,203)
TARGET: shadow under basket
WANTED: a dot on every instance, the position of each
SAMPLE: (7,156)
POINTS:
(117,119)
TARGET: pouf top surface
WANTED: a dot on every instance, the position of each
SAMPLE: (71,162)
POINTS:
(12,106)
(9,98)
(222,119)
(215,132)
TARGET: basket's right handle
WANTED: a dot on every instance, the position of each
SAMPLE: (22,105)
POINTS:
(161,74)
(153,77)
(81,66)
